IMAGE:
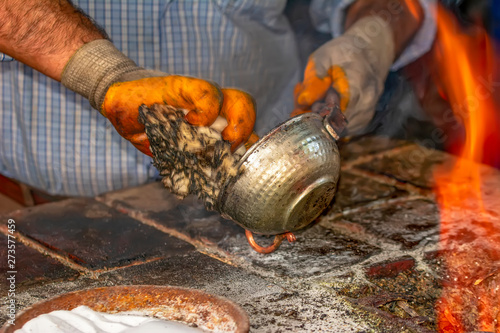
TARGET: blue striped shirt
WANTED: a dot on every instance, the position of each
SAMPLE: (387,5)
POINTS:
(53,140)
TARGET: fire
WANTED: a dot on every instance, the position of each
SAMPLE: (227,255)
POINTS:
(470,216)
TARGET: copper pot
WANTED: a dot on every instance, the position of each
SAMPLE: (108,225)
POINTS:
(288,177)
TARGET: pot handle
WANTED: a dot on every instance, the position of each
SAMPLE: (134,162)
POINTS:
(334,120)
(271,248)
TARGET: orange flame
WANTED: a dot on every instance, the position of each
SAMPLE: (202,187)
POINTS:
(470,230)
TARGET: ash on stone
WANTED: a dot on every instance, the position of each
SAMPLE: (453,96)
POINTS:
(191,159)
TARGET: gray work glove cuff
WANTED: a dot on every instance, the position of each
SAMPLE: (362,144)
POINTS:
(96,66)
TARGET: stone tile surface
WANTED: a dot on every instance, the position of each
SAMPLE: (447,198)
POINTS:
(187,216)
(148,198)
(366,145)
(270,307)
(31,266)
(92,235)
(369,264)
(196,270)
(407,298)
(414,165)
(310,310)
(317,251)
(406,223)
(354,191)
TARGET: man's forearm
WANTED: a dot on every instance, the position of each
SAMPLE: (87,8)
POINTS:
(44,34)
(403,16)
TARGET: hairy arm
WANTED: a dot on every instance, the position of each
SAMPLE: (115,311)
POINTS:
(404,17)
(44,34)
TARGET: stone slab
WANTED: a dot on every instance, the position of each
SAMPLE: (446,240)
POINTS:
(190,270)
(95,236)
(31,267)
(367,145)
(354,191)
(270,306)
(194,270)
(188,216)
(414,164)
(419,291)
(407,298)
(407,223)
(318,250)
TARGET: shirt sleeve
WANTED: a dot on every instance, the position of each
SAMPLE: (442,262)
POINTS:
(328,17)
(4,57)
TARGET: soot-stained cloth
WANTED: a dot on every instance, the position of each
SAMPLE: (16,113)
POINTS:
(191,159)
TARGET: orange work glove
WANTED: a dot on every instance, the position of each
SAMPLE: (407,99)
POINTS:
(116,87)
(239,110)
(123,99)
(314,88)
(355,65)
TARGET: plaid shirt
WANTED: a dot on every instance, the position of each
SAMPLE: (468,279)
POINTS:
(53,140)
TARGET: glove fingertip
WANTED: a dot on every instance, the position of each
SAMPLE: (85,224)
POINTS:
(141,142)
(143,148)
(304,99)
(146,151)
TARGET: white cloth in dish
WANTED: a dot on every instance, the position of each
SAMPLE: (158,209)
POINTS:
(85,320)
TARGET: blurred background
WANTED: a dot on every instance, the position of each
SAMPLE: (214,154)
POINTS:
(412,107)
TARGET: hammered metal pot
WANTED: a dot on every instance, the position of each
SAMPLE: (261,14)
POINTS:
(287,178)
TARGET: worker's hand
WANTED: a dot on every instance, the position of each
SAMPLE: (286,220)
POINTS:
(117,87)
(239,110)
(123,99)
(355,65)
